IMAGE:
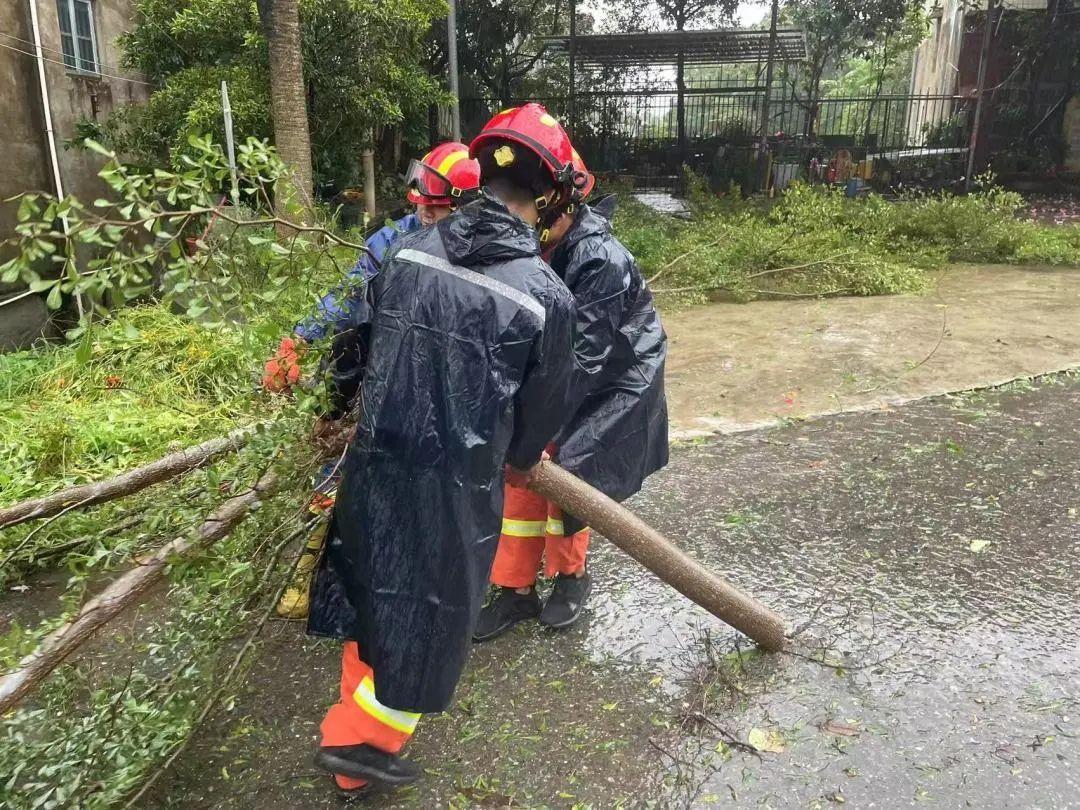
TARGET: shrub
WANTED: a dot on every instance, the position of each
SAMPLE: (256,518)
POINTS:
(817,241)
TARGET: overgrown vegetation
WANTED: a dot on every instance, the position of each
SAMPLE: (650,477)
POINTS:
(817,242)
(134,384)
(364,69)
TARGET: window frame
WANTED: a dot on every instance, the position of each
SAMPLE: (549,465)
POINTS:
(81,67)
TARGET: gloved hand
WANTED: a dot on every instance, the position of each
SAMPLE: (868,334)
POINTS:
(282,370)
(522,478)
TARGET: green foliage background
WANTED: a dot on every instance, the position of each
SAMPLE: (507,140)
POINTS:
(364,66)
(815,241)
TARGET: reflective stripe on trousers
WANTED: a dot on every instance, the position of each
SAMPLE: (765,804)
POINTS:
(532,531)
(359,718)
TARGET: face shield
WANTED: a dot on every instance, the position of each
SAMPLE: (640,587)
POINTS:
(425,182)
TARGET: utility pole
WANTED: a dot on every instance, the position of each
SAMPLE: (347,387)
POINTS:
(230,149)
(571,105)
(367,160)
(763,145)
(451,57)
(980,87)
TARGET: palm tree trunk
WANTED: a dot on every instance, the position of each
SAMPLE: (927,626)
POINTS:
(281,25)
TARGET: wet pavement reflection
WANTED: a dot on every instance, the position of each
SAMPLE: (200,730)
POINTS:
(928,558)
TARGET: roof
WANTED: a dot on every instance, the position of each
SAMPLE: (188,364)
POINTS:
(723,46)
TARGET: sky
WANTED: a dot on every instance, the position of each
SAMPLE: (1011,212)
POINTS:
(748,13)
(751,13)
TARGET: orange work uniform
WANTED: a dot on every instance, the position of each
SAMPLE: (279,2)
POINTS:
(532,531)
(359,718)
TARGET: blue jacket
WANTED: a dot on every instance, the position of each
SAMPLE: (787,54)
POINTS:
(464,345)
(336,309)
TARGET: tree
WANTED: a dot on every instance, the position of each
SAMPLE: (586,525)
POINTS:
(696,13)
(679,13)
(281,27)
(499,41)
(363,66)
(835,31)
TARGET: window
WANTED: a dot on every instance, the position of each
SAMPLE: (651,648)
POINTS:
(77,35)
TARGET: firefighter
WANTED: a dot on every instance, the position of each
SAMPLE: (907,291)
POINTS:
(617,434)
(464,348)
(437,184)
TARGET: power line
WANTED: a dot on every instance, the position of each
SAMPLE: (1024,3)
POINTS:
(64,64)
(53,50)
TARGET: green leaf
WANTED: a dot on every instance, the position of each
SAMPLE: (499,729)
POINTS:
(85,350)
(10,271)
(94,146)
(54,298)
(42,284)
(762,740)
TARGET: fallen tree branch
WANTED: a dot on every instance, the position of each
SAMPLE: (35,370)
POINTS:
(26,540)
(678,259)
(671,564)
(223,684)
(123,592)
(774,271)
(771,272)
(127,483)
(822,294)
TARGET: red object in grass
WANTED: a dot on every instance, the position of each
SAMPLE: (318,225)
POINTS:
(282,371)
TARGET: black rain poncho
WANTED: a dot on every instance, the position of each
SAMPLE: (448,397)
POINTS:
(465,351)
(618,434)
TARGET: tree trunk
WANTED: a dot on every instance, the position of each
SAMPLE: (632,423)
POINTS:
(128,483)
(121,593)
(288,105)
(661,556)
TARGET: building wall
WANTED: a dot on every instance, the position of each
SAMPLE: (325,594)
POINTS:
(947,61)
(24,164)
(22,126)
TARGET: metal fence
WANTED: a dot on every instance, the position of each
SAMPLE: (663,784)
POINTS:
(634,133)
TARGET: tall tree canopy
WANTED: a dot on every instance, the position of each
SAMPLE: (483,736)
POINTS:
(363,68)
(837,30)
(500,42)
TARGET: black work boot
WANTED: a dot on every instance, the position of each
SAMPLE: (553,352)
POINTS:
(507,609)
(567,600)
(368,762)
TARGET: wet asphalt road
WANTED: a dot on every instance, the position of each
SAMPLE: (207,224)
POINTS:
(928,558)
(931,556)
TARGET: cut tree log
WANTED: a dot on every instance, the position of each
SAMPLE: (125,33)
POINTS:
(124,591)
(672,565)
(127,483)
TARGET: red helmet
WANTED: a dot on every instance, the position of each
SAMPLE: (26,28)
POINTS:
(537,130)
(590,182)
(442,176)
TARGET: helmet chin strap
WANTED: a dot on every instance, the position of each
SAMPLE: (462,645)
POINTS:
(550,213)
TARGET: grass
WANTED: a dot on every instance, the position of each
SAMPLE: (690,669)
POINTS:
(149,382)
(816,242)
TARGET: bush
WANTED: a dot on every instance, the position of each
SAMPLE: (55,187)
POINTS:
(815,241)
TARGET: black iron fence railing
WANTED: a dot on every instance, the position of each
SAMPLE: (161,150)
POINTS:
(637,133)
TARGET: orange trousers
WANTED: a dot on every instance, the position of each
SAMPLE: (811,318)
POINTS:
(532,530)
(359,718)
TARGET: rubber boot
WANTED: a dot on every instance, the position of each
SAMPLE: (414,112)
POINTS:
(368,763)
(296,600)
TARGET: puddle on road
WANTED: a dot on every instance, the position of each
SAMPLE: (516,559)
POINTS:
(663,202)
(934,561)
